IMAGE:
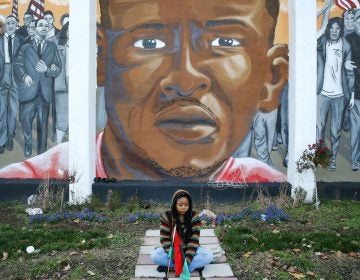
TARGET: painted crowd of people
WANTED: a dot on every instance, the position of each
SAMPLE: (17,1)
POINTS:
(338,86)
(33,81)
(338,95)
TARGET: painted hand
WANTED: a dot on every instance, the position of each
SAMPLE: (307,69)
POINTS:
(28,81)
(41,67)
(351,103)
(350,65)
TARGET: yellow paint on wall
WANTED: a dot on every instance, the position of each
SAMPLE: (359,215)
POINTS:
(58,10)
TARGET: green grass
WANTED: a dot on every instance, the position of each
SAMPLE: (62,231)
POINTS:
(331,215)
(240,239)
(48,266)
(47,239)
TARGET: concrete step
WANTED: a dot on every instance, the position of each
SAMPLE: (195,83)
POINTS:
(220,270)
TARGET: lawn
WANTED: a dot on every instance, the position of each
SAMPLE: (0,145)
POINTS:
(263,239)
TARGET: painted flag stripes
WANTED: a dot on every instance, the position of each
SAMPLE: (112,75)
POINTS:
(348,4)
(14,10)
(37,8)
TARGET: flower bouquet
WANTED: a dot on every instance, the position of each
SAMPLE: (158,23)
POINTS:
(316,155)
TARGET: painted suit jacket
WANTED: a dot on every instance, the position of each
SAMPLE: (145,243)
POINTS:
(25,64)
(46,165)
(16,46)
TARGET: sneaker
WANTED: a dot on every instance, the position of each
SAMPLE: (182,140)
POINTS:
(355,166)
(332,165)
(162,268)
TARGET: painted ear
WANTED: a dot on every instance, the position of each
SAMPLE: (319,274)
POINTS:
(277,78)
(102,54)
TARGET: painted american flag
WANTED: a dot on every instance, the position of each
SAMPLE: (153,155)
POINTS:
(348,4)
(14,10)
(37,8)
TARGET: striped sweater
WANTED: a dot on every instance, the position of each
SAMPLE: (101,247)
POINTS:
(166,228)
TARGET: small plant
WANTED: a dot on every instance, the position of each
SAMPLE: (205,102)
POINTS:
(50,195)
(271,214)
(113,200)
(314,156)
(299,196)
(94,202)
(143,216)
(133,202)
(85,215)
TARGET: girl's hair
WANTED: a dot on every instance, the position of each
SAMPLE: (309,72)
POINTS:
(332,21)
(185,236)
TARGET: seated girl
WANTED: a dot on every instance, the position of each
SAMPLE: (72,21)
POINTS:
(180,227)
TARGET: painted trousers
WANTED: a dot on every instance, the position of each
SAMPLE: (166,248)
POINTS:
(264,130)
(336,106)
(355,132)
(202,257)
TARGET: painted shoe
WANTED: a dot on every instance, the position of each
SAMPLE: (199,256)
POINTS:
(332,165)
(355,166)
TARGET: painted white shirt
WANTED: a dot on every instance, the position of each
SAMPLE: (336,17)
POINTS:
(332,86)
(6,47)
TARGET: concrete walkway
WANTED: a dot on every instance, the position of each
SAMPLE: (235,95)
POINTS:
(219,270)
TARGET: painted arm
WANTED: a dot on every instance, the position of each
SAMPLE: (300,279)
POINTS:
(349,68)
(55,67)
(325,11)
(19,65)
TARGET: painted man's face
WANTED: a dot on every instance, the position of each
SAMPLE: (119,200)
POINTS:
(349,21)
(334,32)
(10,23)
(49,18)
(31,28)
(41,28)
(27,19)
(357,25)
(186,78)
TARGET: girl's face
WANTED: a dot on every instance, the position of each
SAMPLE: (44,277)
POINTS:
(182,205)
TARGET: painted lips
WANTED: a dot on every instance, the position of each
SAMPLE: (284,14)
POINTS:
(187,124)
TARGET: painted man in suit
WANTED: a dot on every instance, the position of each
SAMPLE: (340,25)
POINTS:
(22,31)
(49,17)
(35,65)
(9,44)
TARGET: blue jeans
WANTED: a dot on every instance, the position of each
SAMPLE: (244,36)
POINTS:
(202,257)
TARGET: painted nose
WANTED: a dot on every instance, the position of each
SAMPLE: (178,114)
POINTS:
(185,79)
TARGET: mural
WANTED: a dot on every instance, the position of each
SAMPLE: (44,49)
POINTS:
(183,90)
(338,87)
(33,71)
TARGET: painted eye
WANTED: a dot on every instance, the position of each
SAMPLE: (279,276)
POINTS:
(225,42)
(149,44)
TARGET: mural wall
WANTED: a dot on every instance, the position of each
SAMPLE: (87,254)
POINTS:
(190,90)
(34,79)
(338,87)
